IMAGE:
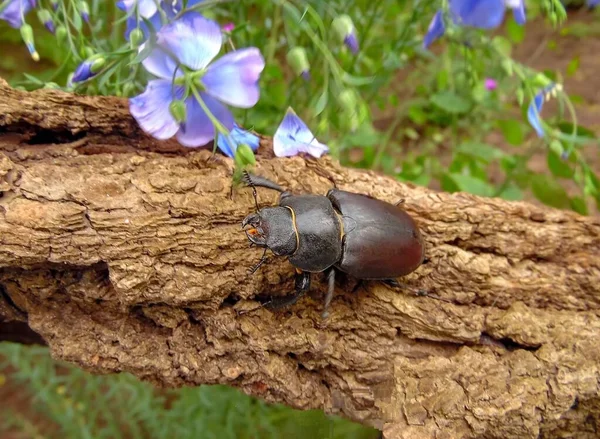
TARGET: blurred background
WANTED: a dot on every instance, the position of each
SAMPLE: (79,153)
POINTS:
(452,118)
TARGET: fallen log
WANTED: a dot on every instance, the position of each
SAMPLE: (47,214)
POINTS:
(125,254)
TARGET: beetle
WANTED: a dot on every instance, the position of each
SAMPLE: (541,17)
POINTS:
(359,235)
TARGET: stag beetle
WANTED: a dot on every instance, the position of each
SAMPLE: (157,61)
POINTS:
(364,237)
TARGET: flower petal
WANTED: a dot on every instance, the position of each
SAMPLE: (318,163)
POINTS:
(533,113)
(233,78)
(228,144)
(199,130)
(151,109)
(592,3)
(436,29)
(482,14)
(192,39)
(293,136)
(519,12)
(15,11)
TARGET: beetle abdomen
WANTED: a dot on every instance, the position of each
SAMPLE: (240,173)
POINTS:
(381,241)
(319,232)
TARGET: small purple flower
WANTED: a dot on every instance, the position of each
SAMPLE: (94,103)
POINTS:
(88,69)
(592,3)
(344,28)
(14,11)
(228,144)
(293,136)
(228,27)
(232,79)
(535,108)
(490,84)
(481,14)
(46,18)
(351,42)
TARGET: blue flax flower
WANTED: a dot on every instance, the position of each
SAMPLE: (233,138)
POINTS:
(293,137)
(194,41)
(536,105)
(237,136)
(592,3)
(14,11)
(481,14)
(149,10)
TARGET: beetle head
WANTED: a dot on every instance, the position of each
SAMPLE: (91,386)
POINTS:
(255,231)
(273,228)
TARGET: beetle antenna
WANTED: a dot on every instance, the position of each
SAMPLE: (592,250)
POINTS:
(263,259)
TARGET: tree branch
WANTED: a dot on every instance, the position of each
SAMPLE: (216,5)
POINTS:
(126,254)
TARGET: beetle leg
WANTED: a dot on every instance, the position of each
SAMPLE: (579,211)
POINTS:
(329,296)
(301,287)
(256,181)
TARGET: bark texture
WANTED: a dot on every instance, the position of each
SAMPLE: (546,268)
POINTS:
(126,254)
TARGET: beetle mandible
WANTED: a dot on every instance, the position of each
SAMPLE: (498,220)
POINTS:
(367,238)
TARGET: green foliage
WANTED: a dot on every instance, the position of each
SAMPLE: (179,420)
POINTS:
(70,403)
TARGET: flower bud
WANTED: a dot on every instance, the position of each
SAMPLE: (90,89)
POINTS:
(89,68)
(84,9)
(128,89)
(347,100)
(244,155)
(136,37)
(46,19)
(298,61)
(51,85)
(178,111)
(61,33)
(87,52)
(54,4)
(27,36)
(343,26)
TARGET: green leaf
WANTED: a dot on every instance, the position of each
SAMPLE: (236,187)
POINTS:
(512,130)
(578,205)
(356,80)
(450,102)
(511,192)
(321,103)
(473,185)
(558,167)
(417,115)
(515,32)
(549,191)
(480,151)
(502,45)
(573,66)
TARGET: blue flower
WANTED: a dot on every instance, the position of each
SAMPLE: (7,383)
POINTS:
(293,136)
(436,29)
(481,14)
(149,9)
(536,105)
(352,42)
(14,11)
(194,41)
(592,3)
(237,136)
(88,68)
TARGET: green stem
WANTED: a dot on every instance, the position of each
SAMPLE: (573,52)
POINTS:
(216,123)
(272,44)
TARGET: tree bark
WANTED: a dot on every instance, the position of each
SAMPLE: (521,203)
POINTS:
(126,254)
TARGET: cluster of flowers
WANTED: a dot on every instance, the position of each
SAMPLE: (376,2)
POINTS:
(191,92)
(489,14)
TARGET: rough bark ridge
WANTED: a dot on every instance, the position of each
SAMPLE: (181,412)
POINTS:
(126,254)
